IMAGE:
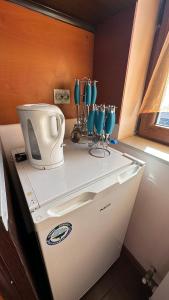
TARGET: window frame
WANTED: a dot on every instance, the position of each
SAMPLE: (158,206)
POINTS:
(149,129)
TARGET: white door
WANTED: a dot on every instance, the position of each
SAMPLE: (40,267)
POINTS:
(82,239)
(3,196)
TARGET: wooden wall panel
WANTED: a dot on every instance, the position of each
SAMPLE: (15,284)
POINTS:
(16,280)
(92,12)
(112,42)
(39,54)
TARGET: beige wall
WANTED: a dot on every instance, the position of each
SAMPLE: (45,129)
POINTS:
(162,292)
(148,233)
(140,50)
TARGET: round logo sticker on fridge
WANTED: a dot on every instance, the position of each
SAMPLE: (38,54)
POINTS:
(59,233)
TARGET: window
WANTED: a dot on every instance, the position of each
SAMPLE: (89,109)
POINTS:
(155,126)
(163,117)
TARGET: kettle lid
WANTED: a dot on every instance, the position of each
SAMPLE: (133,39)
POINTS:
(38,107)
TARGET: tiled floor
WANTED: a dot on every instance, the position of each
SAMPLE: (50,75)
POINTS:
(121,282)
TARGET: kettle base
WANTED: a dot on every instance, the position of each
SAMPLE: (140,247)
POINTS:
(47,167)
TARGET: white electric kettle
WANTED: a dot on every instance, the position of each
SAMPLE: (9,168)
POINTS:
(43,127)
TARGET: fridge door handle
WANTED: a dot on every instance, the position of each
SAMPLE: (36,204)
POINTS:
(72,205)
(132,171)
(89,196)
(124,176)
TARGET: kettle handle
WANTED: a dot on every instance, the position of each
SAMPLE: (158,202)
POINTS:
(55,125)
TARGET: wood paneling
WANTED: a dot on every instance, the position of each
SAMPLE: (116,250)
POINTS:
(39,54)
(14,283)
(15,277)
(111,51)
(53,13)
(92,12)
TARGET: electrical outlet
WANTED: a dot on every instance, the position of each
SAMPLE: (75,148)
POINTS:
(61,96)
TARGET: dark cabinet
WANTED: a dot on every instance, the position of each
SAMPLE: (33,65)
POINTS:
(14,283)
(15,277)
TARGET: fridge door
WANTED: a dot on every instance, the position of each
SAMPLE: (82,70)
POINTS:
(79,170)
(82,239)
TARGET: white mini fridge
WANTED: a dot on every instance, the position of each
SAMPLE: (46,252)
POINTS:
(81,212)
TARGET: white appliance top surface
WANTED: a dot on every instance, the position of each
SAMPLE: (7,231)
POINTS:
(79,169)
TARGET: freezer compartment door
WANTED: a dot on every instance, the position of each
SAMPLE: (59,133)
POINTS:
(80,243)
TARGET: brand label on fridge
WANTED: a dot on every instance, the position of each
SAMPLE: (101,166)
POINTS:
(59,233)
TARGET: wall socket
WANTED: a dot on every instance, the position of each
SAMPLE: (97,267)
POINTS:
(61,96)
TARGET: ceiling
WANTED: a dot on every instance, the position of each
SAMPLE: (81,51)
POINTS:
(89,12)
